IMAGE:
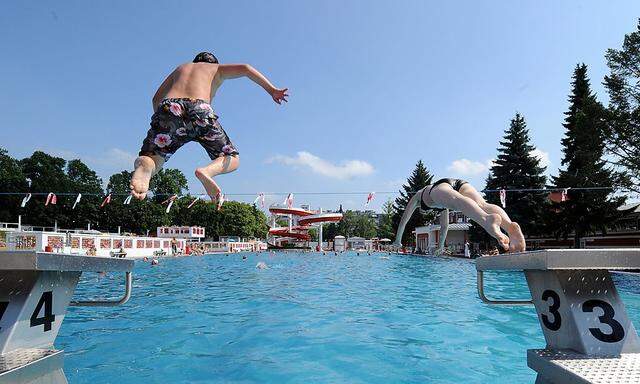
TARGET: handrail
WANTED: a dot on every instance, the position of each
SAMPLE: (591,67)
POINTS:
(108,303)
(480,283)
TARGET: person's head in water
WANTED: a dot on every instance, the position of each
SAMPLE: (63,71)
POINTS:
(205,57)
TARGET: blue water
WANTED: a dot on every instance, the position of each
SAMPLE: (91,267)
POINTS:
(308,318)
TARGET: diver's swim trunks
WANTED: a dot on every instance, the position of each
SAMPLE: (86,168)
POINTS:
(456,184)
(179,121)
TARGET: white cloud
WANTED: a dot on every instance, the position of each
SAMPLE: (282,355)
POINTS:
(347,169)
(542,156)
(466,167)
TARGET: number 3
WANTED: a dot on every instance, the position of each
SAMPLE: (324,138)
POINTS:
(617,330)
(553,310)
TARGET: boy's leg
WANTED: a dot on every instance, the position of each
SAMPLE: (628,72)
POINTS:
(221,165)
(516,236)
(145,168)
(446,196)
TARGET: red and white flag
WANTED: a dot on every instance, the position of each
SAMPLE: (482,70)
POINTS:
(25,200)
(127,201)
(564,196)
(193,202)
(170,201)
(106,201)
(370,198)
(77,200)
(51,199)
(288,201)
(503,198)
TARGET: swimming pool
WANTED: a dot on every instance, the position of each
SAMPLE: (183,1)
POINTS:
(307,318)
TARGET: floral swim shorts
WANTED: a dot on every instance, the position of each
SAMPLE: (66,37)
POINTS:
(179,121)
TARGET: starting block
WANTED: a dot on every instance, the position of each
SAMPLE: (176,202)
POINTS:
(590,338)
(35,290)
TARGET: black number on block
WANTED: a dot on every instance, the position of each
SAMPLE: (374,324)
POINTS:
(553,310)
(617,330)
(46,301)
(3,308)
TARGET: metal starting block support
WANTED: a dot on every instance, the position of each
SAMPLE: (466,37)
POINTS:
(35,291)
(589,337)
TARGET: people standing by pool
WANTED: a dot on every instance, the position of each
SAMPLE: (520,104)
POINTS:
(174,246)
(182,113)
(461,196)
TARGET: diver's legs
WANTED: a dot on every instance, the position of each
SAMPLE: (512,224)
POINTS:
(145,168)
(221,165)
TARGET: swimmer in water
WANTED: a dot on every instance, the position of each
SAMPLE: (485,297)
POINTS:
(459,195)
(244,257)
(155,262)
(182,113)
(261,265)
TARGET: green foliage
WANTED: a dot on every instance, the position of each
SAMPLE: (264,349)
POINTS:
(622,132)
(516,168)
(420,178)
(12,179)
(354,223)
(168,182)
(385,225)
(584,166)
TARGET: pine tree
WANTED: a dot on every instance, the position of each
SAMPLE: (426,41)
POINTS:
(584,166)
(420,178)
(517,168)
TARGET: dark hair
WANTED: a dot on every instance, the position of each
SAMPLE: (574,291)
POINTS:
(205,57)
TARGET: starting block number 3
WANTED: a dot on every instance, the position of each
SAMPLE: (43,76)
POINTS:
(553,320)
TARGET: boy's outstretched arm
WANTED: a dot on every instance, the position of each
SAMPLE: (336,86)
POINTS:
(412,205)
(233,71)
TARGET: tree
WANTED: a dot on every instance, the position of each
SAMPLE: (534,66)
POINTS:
(420,178)
(622,132)
(517,168)
(168,182)
(12,180)
(83,180)
(385,225)
(584,166)
(357,223)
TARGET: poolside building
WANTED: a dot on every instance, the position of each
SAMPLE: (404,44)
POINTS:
(428,236)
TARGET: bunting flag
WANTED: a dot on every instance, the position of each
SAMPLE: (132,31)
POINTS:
(220,200)
(106,201)
(370,198)
(193,202)
(503,198)
(77,200)
(51,199)
(170,201)
(564,196)
(25,200)
(259,198)
(288,201)
(127,201)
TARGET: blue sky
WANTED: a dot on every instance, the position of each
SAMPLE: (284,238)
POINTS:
(375,86)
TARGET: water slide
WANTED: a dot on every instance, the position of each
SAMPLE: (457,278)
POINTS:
(300,221)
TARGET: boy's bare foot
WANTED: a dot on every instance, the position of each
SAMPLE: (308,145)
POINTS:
(518,243)
(141,176)
(493,222)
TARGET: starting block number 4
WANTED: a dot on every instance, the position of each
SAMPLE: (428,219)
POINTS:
(31,314)
(581,310)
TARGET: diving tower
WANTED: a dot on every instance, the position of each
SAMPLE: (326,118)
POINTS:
(589,337)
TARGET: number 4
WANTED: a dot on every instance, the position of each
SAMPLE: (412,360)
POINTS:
(48,317)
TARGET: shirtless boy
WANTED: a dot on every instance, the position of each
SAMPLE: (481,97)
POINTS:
(461,196)
(183,113)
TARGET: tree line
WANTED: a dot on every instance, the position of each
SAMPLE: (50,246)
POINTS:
(42,172)
(600,146)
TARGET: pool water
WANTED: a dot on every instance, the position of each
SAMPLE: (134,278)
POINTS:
(307,318)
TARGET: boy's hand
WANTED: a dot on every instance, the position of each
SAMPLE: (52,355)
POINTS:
(280,95)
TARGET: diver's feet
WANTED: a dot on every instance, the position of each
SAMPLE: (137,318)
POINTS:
(492,226)
(517,244)
(141,176)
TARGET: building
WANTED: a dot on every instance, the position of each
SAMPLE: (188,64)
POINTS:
(179,232)
(339,244)
(428,236)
